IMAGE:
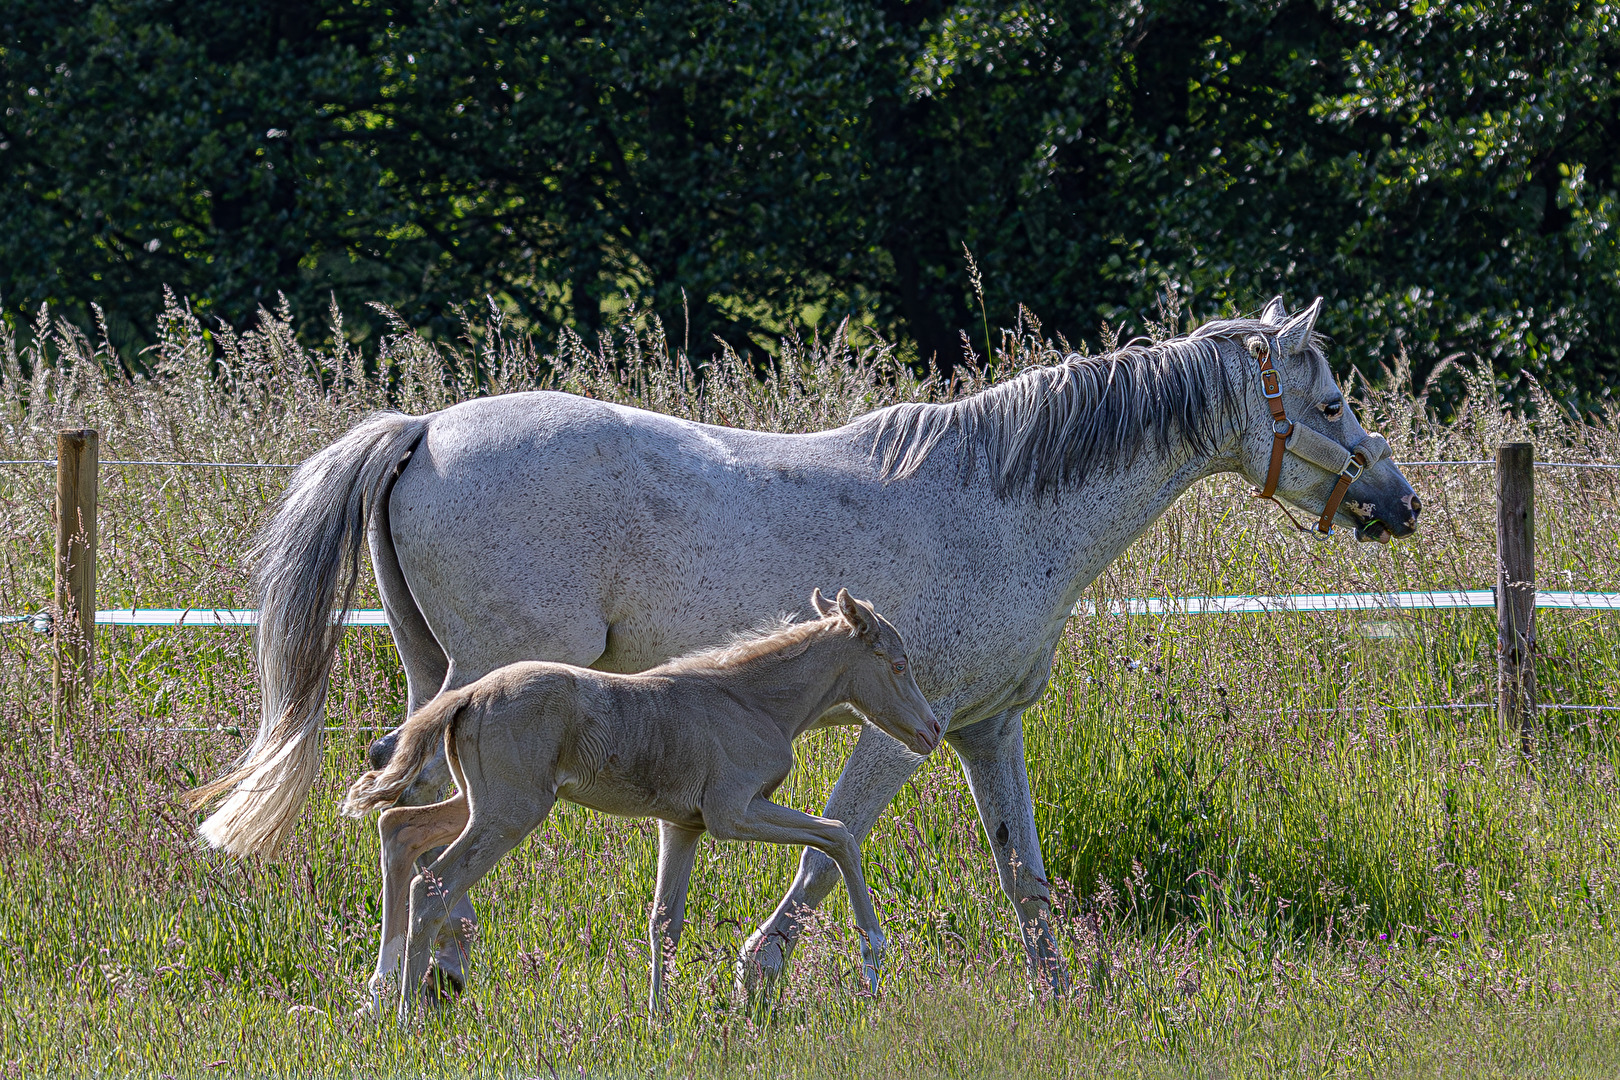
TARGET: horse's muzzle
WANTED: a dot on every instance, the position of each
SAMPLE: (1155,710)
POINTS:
(1375,529)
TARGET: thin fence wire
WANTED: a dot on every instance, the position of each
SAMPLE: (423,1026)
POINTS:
(283,465)
(1538,464)
(1313,603)
(236,729)
(154,464)
(1449,705)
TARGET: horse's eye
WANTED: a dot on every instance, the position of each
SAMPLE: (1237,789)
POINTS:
(899,667)
(1332,409)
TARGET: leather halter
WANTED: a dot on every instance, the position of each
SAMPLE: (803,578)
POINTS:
(1303,442)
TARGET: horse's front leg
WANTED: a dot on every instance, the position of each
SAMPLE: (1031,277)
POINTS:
(992,756)
(677,849)
(871,778)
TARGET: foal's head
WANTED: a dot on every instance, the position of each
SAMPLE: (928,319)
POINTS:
(881,685)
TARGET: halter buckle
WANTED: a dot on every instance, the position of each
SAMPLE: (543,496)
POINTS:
(1353,469)
(1270,385)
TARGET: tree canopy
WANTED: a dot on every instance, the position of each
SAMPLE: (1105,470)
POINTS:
(1445,174)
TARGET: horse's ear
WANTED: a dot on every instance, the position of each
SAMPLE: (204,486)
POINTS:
(823,606)
(856,614)
(1275,314)
(1295,336)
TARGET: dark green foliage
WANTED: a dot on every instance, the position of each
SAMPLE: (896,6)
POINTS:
(1444,173)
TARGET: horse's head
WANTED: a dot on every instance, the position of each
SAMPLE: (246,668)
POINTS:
(882,687)
(1329,464)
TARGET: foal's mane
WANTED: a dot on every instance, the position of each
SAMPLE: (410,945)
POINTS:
(1050,427)
(783,637)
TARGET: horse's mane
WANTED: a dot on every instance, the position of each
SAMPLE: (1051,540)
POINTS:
(1050,427)
(779,636)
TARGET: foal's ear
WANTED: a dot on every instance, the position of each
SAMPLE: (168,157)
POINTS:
(823,606)
(858,615)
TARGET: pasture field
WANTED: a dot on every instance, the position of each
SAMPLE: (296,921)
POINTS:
(1281,847)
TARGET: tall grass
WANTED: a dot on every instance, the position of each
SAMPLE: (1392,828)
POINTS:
(1279,849)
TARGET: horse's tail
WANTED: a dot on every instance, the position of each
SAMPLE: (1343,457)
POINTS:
(306,564)
(419,737)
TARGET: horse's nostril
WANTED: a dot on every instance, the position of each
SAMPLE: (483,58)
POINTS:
(1414,504)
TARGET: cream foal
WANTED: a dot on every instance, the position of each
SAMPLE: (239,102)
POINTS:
(700,743)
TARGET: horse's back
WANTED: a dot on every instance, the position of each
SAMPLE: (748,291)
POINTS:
(545,525)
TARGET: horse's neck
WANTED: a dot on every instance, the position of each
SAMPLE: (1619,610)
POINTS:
(1096,520)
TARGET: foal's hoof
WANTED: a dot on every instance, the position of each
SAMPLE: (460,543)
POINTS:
(381,993)
(759,966)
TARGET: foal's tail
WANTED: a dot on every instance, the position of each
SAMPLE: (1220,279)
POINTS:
(418,737)
(306,564)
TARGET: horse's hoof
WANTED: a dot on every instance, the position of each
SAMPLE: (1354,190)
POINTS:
(441,989)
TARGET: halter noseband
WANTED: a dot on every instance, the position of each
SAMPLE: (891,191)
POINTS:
(1303,442)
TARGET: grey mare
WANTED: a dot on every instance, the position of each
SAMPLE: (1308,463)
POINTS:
(699,743)
(543,526)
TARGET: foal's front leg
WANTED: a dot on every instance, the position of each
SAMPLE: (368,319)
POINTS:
(870,779)
(407,832)
(677,849)
(766,821)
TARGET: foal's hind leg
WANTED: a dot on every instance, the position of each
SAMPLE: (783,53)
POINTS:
(677,848)
(491,833)
(407,832)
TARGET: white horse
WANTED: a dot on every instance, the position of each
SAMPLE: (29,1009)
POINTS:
(551,527)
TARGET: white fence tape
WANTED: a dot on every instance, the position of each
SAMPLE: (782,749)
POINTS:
(1436,600)
(1169,605)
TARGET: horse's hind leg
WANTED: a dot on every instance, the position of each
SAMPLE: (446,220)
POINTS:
(426,671)
(435,893)
(424,660)
(407,833)
(677,849)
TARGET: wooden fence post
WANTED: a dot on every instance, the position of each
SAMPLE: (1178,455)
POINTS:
(74,620)
(1516,590)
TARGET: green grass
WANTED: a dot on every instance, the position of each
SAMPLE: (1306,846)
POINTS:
(1274,855)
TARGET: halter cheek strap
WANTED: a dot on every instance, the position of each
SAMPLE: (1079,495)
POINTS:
(1314,447)
(1281,426)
